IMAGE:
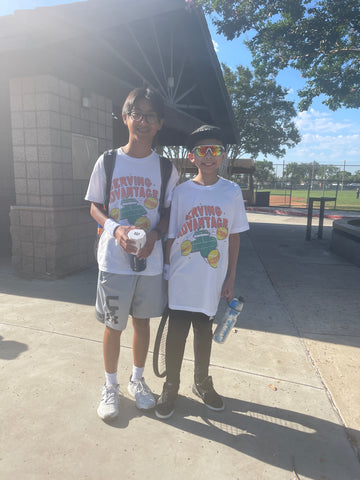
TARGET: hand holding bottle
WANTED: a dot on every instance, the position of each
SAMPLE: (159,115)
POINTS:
(228,320)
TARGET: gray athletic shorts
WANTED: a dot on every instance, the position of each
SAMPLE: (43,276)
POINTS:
(119,296)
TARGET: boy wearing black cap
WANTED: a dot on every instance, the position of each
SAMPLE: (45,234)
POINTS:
(206,219)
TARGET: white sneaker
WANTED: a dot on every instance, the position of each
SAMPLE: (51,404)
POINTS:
(109,404)
(142,394)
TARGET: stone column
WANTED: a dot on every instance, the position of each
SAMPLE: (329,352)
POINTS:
(7,188)
(58,132)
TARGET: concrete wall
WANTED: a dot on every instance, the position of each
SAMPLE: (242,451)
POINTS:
(345,239)
(51,229)
(7,187)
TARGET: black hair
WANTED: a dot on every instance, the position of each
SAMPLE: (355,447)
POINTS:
(147,93)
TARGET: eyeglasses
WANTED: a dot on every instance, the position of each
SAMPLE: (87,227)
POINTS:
(150,118)
(202,150)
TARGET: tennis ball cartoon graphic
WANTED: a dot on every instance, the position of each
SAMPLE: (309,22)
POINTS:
(115,214)
(213,258)
(150,203)
(221,233)
(186,248)
(143,222)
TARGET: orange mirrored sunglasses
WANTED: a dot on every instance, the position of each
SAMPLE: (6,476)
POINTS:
(202,150)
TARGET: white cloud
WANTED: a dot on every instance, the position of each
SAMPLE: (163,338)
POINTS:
(328,148)
(316,121)
(216,46)
(325,139)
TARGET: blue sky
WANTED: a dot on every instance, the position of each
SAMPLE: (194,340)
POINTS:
(327,137)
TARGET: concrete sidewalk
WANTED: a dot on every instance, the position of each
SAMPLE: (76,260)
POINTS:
(289,373)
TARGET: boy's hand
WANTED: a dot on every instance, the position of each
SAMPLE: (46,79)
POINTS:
(151,238)
(121,235)
(228,289)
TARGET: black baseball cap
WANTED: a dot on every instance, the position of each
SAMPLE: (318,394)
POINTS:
(204,132)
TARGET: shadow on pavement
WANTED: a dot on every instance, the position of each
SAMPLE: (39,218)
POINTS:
(10,349)
(318,290)
(283,438)
(77,288)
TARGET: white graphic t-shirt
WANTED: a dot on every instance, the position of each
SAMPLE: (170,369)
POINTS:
(134,200)
(201,220)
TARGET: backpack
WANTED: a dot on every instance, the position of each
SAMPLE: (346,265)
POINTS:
(109,164)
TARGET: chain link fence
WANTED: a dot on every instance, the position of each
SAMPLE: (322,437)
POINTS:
(344,188)
(285,194)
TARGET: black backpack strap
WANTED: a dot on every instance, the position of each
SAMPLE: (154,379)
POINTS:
(109,164)
(165,170)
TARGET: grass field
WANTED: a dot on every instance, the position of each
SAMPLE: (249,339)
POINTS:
(346,199)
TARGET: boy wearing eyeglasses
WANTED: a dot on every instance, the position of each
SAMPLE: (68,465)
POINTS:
(207,216)
(134,203)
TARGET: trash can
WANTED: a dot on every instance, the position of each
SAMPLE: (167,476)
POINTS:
(262,199)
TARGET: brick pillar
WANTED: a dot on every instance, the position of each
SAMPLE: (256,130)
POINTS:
(7,186)
(53,129)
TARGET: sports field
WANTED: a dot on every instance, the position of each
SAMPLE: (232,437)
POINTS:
(346,199)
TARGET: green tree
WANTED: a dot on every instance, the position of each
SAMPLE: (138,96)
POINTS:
(320,38)
(297,173)
(263,117)
(344,175)
(356,177)
(328,172)
(264,171)
(178,155)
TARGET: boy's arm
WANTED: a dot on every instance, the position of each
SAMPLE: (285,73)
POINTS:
(98,213)
(234,246)
(169,243)
(163,225)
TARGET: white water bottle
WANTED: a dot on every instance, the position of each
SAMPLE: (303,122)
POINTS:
(228,320)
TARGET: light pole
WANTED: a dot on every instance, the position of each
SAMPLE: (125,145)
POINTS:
(343,176)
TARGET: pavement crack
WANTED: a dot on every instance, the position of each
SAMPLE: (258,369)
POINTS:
(50,332)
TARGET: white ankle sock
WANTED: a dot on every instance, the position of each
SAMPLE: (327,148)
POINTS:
(137,373)
(110,378)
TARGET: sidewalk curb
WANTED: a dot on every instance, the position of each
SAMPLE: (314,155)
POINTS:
(297,213)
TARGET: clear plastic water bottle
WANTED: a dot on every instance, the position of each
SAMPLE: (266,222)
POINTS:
(228,320)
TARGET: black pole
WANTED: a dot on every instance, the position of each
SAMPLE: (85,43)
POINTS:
(321,218)
(309,219)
